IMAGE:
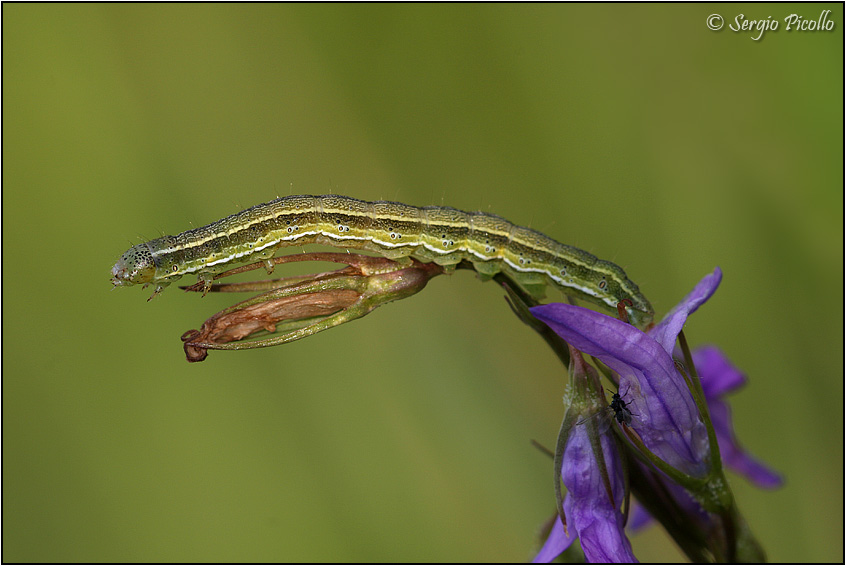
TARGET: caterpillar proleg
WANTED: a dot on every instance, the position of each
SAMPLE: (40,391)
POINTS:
(441,234)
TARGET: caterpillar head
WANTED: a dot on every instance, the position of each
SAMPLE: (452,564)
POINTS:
(135,266)
(640,315)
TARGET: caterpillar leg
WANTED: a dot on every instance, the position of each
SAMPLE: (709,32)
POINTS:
(486,269)
(533,283)
(206,279)
(399,255)
(159,288)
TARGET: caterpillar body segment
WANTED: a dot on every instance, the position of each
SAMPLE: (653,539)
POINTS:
(441,234)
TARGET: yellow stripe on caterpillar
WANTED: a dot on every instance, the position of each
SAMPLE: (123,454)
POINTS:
(394,230)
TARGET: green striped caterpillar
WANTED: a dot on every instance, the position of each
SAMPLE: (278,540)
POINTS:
(396,231)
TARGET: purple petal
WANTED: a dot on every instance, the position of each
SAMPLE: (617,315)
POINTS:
(666,331)
(718,375)
(557,542)
(597,521)
(639,517)
(734,457)
(665,414)
(603,539)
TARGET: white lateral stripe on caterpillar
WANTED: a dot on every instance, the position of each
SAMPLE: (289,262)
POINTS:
(395,230)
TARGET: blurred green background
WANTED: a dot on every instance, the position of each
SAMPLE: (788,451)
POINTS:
(631,131)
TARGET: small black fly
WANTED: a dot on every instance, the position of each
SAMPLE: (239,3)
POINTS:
(622,413)
(621,409)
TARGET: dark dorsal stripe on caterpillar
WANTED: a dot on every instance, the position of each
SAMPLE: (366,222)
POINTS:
(395,230)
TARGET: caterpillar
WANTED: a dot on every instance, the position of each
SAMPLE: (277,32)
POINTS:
(394,230)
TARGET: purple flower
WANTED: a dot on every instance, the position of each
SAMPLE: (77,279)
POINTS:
(590,513)
(719,377)
(664,413)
